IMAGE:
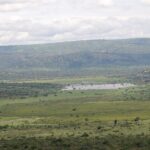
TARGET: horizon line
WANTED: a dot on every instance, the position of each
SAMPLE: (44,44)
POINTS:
(72,41)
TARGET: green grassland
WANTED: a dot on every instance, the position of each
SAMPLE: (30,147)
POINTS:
(73,120)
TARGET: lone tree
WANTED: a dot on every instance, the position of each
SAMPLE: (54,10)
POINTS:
(115,122)
(137,120)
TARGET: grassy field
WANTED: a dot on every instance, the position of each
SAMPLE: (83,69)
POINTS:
(61,120)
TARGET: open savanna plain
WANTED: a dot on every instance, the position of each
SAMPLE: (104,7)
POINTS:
(40,115)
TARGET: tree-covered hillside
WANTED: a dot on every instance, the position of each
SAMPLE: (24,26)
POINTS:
(75,55)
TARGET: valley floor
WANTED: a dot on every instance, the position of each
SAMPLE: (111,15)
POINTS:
(75,120)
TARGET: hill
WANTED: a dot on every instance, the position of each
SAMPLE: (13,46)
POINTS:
(74,55)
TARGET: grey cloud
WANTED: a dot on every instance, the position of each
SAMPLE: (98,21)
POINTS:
(34,21)
(17,5)
(73,29)
(146,1)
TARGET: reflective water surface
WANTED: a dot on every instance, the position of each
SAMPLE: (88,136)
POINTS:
(96,86)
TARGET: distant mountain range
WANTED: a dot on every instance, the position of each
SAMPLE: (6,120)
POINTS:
(78,54)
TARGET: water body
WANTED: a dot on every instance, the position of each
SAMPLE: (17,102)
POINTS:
(96,86)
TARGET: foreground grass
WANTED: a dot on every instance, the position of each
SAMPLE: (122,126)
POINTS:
(84,142)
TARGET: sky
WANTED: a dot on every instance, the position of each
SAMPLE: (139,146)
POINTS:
(46,21)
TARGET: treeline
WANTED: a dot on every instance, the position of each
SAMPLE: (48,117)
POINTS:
(24,90)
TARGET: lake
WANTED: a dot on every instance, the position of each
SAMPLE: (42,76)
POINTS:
(96,86)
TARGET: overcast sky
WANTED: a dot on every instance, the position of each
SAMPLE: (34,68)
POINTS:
(45,21)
